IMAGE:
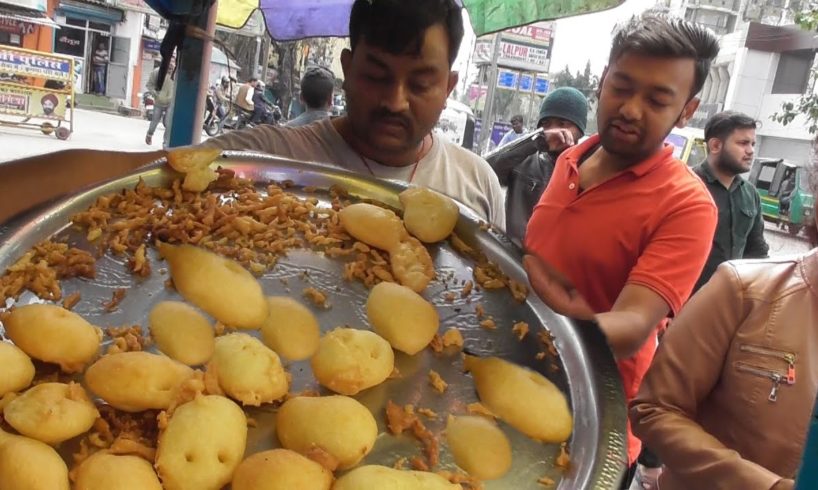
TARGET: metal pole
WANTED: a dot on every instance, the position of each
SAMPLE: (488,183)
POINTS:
(532,96)
(257,60)
(488,110)
(192,79)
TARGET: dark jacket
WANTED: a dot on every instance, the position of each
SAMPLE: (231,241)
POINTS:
(740,232)
(525,172)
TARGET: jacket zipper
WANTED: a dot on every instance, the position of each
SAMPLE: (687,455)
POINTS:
(788,357)
(775,377)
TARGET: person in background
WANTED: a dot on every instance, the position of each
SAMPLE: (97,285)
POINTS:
(623,229)
(100,64)
(728,400)
(162,99)
(731,139)
(317,86)
(222,98)
(262,112)
(563,116)
(515,132)
(397,77)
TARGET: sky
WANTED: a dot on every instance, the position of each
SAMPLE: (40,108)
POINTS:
(576,39)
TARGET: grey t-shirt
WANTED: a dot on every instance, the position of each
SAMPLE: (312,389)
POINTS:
(446,168)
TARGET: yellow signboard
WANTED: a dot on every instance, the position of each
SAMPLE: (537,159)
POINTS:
(28,63)
(18,100)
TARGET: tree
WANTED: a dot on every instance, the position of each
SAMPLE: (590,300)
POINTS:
(585,82)
(807,103)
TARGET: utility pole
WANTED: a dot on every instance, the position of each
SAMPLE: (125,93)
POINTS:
(488,109)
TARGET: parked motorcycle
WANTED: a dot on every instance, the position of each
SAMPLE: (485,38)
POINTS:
(147,105)
(212,122)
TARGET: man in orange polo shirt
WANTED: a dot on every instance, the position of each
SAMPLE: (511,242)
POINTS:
(623,230)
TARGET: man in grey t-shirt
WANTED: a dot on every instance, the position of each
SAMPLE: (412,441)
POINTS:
(397,77)
(317,86)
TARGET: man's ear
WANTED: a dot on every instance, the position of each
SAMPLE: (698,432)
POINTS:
(346,64)
(687,112)
(453,78)
(714,146)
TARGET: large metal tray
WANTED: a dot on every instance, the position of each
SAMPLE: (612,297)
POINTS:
(587,372)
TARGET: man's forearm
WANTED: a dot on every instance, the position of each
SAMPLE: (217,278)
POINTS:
(35,180)
(626,331)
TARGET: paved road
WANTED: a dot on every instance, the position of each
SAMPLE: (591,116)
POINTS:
(782,243)
(91,130)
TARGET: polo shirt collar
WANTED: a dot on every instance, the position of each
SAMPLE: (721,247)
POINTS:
(642,168)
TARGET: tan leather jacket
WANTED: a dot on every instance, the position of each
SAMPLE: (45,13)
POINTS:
(727,401)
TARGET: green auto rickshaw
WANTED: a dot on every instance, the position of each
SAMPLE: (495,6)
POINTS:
(784,190)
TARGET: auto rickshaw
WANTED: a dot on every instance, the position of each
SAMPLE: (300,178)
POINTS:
(784,190)
(688,145)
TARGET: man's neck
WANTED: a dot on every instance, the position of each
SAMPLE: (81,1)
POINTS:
(393,159)
(725,178)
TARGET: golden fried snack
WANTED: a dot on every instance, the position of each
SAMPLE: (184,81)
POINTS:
(18,370)
(72,341)
(51,412)
(27,464)
(339,426)
(202,444)
(247,370)
(219,286)
(525,399)
(429,216)
(195,164)
(370,477)
(105,471)
(181,332)
(349,360)
(373,225)
(402,317)
(290,329)
(136,381)
(478,446)
(281,469)
(412,264)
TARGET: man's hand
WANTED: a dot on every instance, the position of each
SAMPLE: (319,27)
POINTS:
(558,139)
(556,291)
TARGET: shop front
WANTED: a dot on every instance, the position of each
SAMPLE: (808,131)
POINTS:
(27,24)
(101,58)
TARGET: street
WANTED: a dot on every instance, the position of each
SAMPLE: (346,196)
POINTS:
(92,129)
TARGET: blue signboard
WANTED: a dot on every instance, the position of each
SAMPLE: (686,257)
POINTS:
(541,86)
(499,130)
(526,82)
(507,79)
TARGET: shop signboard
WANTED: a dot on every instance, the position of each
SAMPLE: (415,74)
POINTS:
(541,85)
(15,26)
(507,79)
(18,100)
(35,64)
(70,41)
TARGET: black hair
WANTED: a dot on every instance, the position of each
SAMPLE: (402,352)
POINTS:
(398,26)
(317,85)
(661,35)
(723,124)
(517,117)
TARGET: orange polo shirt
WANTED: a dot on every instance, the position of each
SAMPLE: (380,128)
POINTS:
(650,225)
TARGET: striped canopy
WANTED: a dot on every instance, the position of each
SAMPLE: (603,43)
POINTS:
(297,19)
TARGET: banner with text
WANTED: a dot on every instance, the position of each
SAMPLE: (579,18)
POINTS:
(35,64)
(31,102)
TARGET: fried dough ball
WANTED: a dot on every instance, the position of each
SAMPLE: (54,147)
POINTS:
(373,225)
(181,332)
(247,370)
(104,471)
(339,426)
(412,264)
(478,446)
(136,381)
(27,464)
(51,412)
(402,317)
(71,342)
(429,216)
(18,370)
(290,329)
(219,286)
(525,399)
(281,469)
(195,164)
(202,444)
(370,477)
(350,360)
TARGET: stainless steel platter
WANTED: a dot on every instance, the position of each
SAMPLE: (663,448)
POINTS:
(587,373)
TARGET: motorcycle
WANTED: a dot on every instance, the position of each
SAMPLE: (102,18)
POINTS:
(212,124)
(148,104)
